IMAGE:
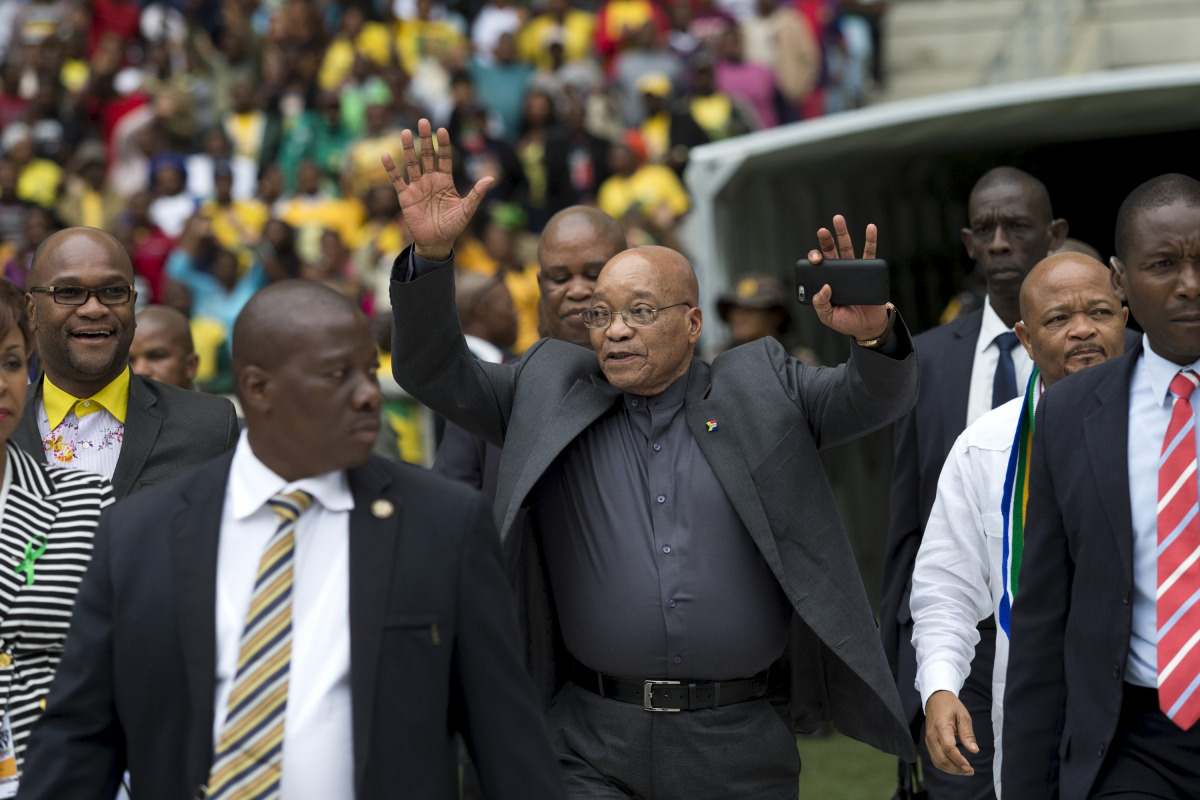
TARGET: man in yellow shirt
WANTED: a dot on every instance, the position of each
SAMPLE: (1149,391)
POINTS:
(571,27)
(89,412)
(650,186)
(237,224)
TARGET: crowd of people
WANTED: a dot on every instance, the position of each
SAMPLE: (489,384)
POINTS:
(645,589)
(229,145)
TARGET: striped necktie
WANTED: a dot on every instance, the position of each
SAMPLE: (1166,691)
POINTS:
(248,762)
(1177,611)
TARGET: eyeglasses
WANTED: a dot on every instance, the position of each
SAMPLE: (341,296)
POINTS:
(637,317)
(78,295)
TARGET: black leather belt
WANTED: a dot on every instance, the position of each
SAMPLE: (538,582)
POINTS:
(663,695)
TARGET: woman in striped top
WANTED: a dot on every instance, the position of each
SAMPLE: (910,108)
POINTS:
(48,515)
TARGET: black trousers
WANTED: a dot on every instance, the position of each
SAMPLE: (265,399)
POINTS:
(610,750)
(976,695)
(1150,758)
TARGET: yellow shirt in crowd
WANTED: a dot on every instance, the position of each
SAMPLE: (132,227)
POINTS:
(653,185)
(576,33)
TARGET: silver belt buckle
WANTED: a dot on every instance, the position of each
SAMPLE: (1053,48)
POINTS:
(648,695)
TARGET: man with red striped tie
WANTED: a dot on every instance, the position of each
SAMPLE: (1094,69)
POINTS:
(1103,691)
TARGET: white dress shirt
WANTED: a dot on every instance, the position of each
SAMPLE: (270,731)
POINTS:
(987,356)
(958,576)
(1150,402)
(318,757)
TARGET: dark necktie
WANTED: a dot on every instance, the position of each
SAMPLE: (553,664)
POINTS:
(1004,385)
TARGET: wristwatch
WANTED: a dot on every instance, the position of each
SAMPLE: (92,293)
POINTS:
(887,331)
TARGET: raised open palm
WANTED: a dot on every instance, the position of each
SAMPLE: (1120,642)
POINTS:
(435,212)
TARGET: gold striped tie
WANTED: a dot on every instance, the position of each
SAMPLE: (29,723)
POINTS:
(248,762)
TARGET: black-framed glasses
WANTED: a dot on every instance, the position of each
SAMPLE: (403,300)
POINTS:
(79,295)
(637,317)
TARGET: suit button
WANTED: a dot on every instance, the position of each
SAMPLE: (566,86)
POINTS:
(1100,751)
(1125,597)
(1116,670)
(5,661)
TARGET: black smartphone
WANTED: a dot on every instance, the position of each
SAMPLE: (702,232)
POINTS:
(854,281)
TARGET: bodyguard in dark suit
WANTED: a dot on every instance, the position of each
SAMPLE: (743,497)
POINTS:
(968,367)
(88,411)
(1101,694)
(297,619)
(686,520)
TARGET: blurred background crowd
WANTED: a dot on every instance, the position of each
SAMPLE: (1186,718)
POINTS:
(231,143)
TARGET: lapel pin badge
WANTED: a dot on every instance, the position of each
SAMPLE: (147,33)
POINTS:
(382,509)
(711,425)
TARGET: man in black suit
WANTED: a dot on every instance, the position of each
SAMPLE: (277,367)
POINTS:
(1101,693)
(391,629)
(968,367)
(89,412)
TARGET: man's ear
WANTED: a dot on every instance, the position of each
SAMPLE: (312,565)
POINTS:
(695,324)
(192,366)
(1058,233)
(29,308)
(1117,277)
(254,389)
(966,240)
(1025,336)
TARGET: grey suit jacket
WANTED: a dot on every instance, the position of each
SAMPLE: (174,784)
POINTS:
(773,414)
(168,430)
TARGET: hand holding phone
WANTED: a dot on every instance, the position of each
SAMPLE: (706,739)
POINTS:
(864,322)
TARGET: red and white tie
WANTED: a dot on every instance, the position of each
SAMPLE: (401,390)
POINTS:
(1178,597)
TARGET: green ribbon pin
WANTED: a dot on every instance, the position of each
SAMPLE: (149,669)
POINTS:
(31,555)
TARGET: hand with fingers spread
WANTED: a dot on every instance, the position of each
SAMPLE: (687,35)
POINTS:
(947,719)
(861,322)
(433,209)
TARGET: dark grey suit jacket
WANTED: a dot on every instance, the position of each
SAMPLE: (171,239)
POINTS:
(168,430)
(773,415)
(433,649)
(1073,617)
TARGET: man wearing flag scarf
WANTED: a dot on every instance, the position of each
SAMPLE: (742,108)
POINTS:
(968,564)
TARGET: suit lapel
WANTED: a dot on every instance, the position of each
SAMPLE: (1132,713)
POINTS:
(374,535)
(1106,436)
(196,534)
(27,434)
(956,379)
(720,449)
(586,401)
(142,424)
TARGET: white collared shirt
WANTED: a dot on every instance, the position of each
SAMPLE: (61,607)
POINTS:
(1150,402)
(987,356)
(318,756)
(958,576)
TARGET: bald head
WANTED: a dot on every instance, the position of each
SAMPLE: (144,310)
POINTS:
(305,367)
(582,223)
(162,347)
(93,241)
(1011,177)
(1070,317)
(645,357)
(266,330)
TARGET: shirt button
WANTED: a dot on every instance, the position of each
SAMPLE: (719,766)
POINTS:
(678,659)
(86,403)
(1100,751)
(1125,597)
(5,661)
(633,402)
(657,447)
(662,499)
(666,549)
(671,603)
(1116,670)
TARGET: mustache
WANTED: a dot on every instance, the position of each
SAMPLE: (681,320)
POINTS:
(1087,347)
